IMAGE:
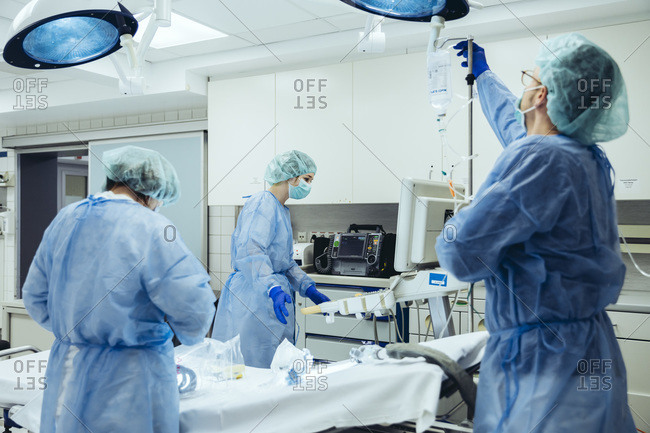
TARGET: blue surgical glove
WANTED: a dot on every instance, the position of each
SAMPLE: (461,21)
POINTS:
(316,296)
(480,63)
(280,298)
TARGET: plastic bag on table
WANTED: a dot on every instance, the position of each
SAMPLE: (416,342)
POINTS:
(291,364)
(368,354)
(201,366)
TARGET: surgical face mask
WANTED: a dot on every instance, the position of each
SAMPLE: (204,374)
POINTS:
(301,191)
(519,115)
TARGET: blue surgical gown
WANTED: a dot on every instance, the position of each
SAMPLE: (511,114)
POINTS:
(262,257)
(106,275)
(542,233)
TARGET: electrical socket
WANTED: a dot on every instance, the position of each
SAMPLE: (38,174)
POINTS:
(302,236)
(319,234)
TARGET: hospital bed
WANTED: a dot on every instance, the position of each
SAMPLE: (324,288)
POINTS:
(396,395)
(16,385)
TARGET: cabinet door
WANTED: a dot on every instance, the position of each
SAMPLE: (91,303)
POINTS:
(241,137)
(313,105)
(635,355)
(395,127)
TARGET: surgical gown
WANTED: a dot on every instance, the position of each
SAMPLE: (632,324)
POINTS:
(106,275)
(262,257)
(542,233)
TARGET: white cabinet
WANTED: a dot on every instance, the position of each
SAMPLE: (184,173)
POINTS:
(459,318)
(395,127)
(312,107)
(633,333)
(241,137)
(21,330)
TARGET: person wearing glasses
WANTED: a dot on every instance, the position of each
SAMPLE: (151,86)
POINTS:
(542,233)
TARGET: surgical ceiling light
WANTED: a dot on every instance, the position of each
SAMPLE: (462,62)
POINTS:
(51,34)
(413,10)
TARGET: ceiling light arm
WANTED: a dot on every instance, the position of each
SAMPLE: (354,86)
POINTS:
(145,42)
(372,39)
(437,24)
(119,69)
(134,84)
(161,17)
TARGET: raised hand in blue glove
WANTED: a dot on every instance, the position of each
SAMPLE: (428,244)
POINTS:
(480,63)
(280,298)
(316,296)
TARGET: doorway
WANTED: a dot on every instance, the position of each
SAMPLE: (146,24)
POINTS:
(46,182)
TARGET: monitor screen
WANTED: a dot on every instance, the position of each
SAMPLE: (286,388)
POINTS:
(352,245)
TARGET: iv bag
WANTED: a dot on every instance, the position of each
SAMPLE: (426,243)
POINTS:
(439,80)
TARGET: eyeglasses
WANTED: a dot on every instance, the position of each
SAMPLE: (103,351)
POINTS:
(527,78)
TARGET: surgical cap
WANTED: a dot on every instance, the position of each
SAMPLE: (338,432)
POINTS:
(288,165)
(144,171)
(587,98)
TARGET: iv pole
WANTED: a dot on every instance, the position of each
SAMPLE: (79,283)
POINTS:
(470,164)
(437,24)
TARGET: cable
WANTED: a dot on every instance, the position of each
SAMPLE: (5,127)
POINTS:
(451,311)
(418,309)
(374,322)
(627,247)
(398,334)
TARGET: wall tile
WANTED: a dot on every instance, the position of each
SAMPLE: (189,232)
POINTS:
(228,211)
(227,225)
(214,244)
(225,244)
(225,263)
(214,261)
(214,225)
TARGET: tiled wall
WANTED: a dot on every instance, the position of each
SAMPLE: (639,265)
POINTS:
(221,224)
(8,271)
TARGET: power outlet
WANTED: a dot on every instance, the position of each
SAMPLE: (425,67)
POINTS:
(302,236)
(319,234)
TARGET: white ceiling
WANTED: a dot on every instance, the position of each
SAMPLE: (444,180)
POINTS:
(272,35)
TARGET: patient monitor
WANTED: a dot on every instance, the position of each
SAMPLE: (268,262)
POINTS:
(424,208)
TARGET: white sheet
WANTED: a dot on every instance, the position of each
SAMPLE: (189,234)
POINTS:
(20,378)
(355,395)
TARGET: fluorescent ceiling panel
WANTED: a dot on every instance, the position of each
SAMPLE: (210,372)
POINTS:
(182,31)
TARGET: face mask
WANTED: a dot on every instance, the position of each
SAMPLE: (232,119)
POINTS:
(301,191)
(519,115)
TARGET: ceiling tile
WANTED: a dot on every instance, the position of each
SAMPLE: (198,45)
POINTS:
(210,13)
(259,14)
(211,46)
(348,21)
(291,31)
(10,8)
(325,8)
(154,55)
